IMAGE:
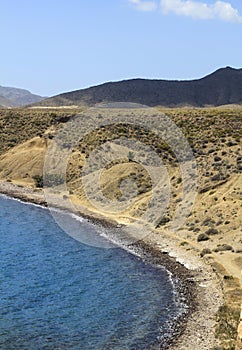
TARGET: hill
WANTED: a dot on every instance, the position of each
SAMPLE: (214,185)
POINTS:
(5,103)
(14,97)
(211,232)
(222,87)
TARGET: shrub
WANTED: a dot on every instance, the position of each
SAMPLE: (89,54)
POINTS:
(130,156)
(202,237)
(228,277)
(179,180)
(51,180)
(211,231)
(226,329)
(223,248)
(162,221)
(38,179)
(205,251)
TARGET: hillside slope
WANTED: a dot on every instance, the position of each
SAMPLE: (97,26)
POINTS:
(211,231)
(219,88)
(5,103)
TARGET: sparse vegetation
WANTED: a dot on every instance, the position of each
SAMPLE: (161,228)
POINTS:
(226,330)
(38,179)
(20,125)
(215,138)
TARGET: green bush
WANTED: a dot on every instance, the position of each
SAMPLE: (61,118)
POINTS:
(38,179)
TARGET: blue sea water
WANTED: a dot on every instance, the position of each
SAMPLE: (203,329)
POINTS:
(57,293)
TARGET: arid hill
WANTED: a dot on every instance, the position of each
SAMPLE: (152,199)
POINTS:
(14,97)
(212,229)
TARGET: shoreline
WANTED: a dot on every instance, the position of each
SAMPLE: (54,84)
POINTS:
(184,287)
(196,329)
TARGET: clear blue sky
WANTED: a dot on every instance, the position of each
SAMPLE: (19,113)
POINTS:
(54,46)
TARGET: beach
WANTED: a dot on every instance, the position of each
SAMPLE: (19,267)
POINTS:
(198,281)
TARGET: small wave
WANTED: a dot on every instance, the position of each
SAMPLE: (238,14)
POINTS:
(5,196)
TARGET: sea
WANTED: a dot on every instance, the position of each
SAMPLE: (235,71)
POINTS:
(59,293)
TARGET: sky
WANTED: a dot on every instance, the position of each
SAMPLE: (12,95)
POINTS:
(55,46)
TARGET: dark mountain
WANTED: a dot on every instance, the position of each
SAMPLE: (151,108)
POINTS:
(221,87)
(13,97)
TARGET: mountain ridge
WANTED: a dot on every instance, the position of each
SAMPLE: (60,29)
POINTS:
(222,87)
(16,97)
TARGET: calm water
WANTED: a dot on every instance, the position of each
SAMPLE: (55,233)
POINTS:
(57,293)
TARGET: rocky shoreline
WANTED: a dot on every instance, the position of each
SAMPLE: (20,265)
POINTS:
(184,285)
(200,286)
